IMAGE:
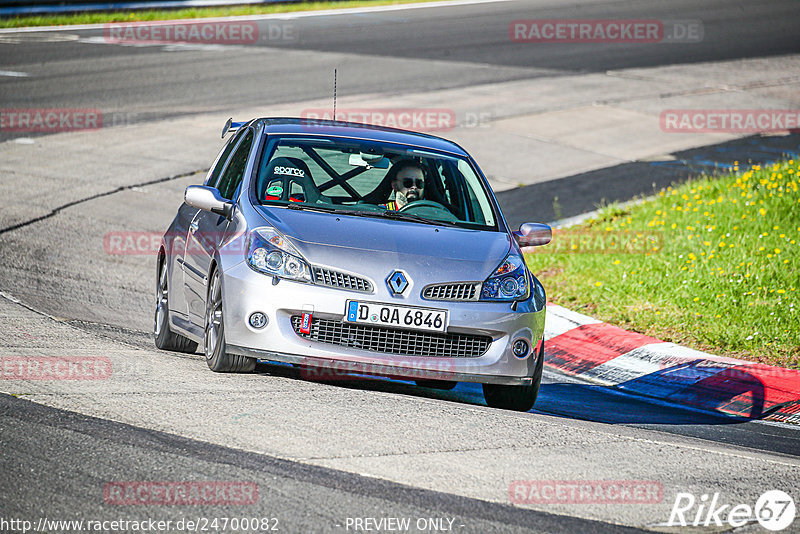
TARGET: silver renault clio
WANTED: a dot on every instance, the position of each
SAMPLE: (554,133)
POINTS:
(352,248)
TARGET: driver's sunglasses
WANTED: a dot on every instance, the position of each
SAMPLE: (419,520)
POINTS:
(409,182)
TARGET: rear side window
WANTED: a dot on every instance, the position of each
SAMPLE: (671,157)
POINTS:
(234,172)
(213,178)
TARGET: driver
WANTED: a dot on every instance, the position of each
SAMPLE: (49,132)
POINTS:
(408,184)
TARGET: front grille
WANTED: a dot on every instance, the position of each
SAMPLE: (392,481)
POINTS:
(456,291)
(331,278)
(394,341)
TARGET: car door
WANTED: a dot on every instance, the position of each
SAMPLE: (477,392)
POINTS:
(207,229)
(179,312)
(186,214)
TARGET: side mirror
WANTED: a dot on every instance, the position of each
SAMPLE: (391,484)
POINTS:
(533,234)
(208,199)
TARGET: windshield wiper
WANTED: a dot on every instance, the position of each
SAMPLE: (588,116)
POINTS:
(316,207)
(331,209)
(414,218)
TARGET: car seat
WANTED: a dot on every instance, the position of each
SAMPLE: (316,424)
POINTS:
(279,176)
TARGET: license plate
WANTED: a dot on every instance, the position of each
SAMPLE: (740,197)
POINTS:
(398,316)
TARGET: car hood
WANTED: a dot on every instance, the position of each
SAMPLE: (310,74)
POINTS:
(374,247)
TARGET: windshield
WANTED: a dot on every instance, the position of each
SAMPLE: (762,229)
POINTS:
(368,178)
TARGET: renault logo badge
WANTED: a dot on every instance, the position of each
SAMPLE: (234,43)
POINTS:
(397,282)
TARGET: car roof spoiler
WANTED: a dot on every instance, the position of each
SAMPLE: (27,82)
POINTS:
(231,126)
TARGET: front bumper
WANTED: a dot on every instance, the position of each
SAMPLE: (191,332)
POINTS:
(246,291)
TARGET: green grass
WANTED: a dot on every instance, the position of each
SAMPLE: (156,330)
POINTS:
(713,264)
(192,13)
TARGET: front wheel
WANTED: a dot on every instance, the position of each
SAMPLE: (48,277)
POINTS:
(165,338)
(518,398)
(217,356)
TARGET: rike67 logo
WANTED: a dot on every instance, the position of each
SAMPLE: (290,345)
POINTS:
(774,510)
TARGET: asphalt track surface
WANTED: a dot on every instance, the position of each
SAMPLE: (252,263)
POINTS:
(53,461)
(302,498)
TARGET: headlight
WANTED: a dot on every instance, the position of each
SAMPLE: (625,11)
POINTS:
(508,282)
(270,253)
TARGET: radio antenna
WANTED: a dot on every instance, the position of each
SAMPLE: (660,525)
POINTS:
(334,95)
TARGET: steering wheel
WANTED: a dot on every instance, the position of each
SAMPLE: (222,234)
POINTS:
(428,209)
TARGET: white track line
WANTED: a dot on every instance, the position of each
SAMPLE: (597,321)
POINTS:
(13,74)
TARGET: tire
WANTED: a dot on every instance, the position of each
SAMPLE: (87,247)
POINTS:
(214,346)
(517,398)
(165,338)
(445,385)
